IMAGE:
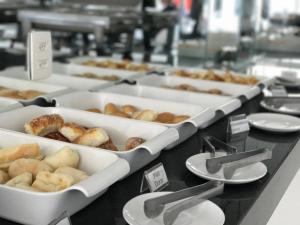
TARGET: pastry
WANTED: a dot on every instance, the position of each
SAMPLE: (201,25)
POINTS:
(165,117)
(50,182)
(110,108)
(71,131)
(29,94)
(109,145)
(27,187)
(93,137)
(78,175)
(146,115)
(95,110)
(100,77)
(133,142)
(120,114)
(24,178)
(63,157)
(180,118)
(128,109)
(3,177)
(32,166)
(57,136)
(44,125)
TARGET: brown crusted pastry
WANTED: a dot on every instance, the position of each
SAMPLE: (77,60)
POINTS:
(165,117)
(146,115)
(3,177)
(72,131)
(27,187)
(95,76)
(120,114)
(57,136)
(95,110)
(32,166)
(50,182)
(180,118)
(110,108)
(125,65)
(93,137)
(22,151)
(24,178)
(63,157)
(44,125)
(128,109)
(133,142)
(109,145)
(215,91)
(29,94)
(78,175)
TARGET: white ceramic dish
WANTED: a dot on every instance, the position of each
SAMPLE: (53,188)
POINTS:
(197,165)
(292,107)
(8,104)
(206,213)
(34,208)
(198,115)
(49,90)
(158,137)
(274,122)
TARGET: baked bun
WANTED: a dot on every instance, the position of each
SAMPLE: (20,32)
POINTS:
(44,125)
(165,117)
(110,108)
(120,114)
(71,131)
(27,187)
(50,182)
(146,115)
(109,145)
(63,157)
(3,177)
(95,110)
(93,137)
(133,142)
(32,166)
(57,136)
(24,178)
(128,109)
(29,94)
(78,175)
(180,118)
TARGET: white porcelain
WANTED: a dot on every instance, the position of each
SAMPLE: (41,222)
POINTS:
(197,165)
(206,213)
(9,104)
(286,108)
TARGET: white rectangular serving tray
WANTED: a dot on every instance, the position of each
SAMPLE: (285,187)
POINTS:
(49,89)
(76,83)
(198,115)
(36,208)
(157,137)
(8,104)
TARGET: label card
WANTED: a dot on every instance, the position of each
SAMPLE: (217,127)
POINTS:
(39,55)
(156,179)
(289,75)
(278,91)
(238,124)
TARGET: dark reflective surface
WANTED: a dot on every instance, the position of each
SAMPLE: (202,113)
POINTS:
(236,200)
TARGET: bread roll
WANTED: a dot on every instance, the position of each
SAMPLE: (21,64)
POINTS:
(22,151)
(128,109)
(64,157)
(165,117)
(57,136)
(29,94)
(146,115)
(3,177)
(93,137)
(27,187)
(24,178)
(180,118)
(110,108)
(95,110)
(109,145)
(32,166)
(133,142)
(44,125)
(120,114)
(50,182)
(78,175)
(71,131)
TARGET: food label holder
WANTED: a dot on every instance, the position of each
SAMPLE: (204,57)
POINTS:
(63,219)
(278,91)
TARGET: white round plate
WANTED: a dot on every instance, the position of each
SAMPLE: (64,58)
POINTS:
(197,165)
(287,108)
(206,213)
(274,122)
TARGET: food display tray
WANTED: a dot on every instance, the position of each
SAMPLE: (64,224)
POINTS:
(198,115)
(38,208)
(7,104)
(157,137)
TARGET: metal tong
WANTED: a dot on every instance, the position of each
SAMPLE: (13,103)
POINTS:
(155,206)
(212,143)
(233,162)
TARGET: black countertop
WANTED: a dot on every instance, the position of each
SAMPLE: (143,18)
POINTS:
(236,201)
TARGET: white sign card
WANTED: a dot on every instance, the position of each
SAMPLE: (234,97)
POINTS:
(154,179)
(279,91)
(289,75)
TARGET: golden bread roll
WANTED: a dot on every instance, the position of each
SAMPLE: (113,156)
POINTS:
(32,166)
(63,157)
(50,182)
(110,108)
(27,187)
(5,166)
(3,177)
(72,131)
(44,125)
(180,118)
(146,115)
(133,142)
(57,136)
(165,117)
(24,178)
(93,137)
(29,94)
(120,114)
(128,109)
(21,151)
(95,110)
(109,145)
(78,175)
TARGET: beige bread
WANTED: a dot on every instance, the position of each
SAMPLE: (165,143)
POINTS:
(63,157)
(180,118)
(32,166)
(110,108)
(93,137)
(27,187)
(128,109)
(22,151)
(165,117)
(120,114)
(109,145)
(29,94)
(71,131)
(24,178)
(5,166)
(78,175)
(133,142)
(3,177)
(44,125)
(95,110)
(146,115)
(50,182)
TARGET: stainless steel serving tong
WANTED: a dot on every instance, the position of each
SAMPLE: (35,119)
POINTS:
(155,206)
(212,144)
